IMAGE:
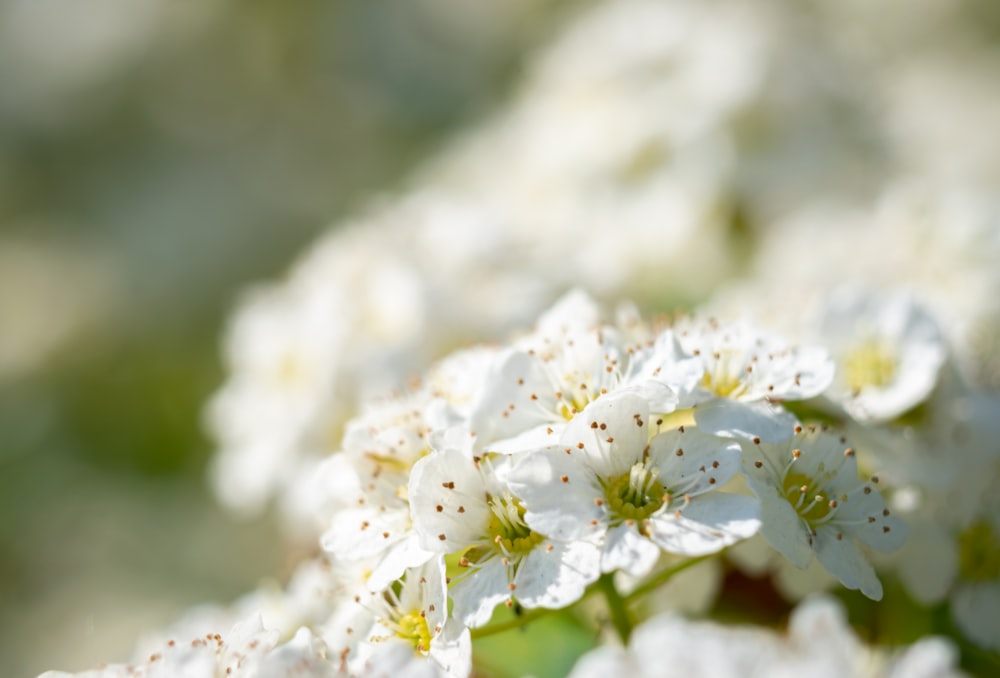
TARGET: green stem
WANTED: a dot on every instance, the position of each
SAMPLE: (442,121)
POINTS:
(664,576)
(616,606)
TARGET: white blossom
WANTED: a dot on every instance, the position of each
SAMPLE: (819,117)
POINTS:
(814,503)
(608,479)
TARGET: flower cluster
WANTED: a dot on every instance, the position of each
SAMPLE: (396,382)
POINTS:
(584,456)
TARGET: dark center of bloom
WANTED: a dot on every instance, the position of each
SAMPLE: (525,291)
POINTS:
(808,499)
(979,553)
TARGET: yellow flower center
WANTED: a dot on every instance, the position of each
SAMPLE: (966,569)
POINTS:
(635,495)
(722,385)
(979,553)
(871,364)
(511,536)
(412,627)
(806,497)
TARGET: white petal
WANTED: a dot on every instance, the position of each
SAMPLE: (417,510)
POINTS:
(844,560)
(976,610)
(708,524)
(479,592)
(745,420)
(625,549)
(612,432)
(558,508)
(557,578)
(693,462)
(450,480)
(780,524)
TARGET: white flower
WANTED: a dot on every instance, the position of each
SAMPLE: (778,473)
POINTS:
(607,479)
(461,505)
(888,352)
(813,502)
(247,651)
(957,558)
(404,630)
(819,643)
(374,520)
(746,370)
(540,384)
(281,349)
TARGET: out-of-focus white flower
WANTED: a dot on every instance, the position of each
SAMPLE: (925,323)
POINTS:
(814,503)
(247,651)
(888,352)
(819,642)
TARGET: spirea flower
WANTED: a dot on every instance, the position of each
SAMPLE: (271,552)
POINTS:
(746,372)
(464,506)
(888,352)
(814,503)
(819,642)
(614,477)
(404,630)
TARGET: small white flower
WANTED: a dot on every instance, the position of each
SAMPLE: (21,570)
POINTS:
(461,505)
(374,519)
(404,630)
(607,479)
(813,502)
(819,642)
(542,382)
(888,352)
(746,371)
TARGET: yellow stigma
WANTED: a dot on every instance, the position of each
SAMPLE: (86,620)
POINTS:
(806,498)
(413,628)
(871,364)
(979,553)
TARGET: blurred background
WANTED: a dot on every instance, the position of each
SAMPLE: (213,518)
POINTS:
(155,157)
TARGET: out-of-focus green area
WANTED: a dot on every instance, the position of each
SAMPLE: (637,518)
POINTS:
(155,157)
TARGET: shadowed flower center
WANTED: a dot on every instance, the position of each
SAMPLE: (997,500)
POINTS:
(637,494)
(871,364)
(806,497)
(979,553)
(510,535)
